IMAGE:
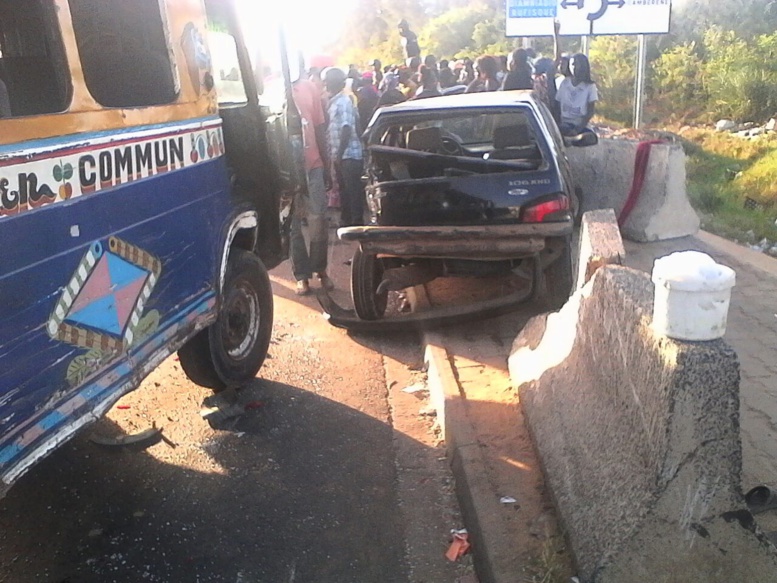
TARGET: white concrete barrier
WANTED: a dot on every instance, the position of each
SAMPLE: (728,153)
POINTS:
(605,173)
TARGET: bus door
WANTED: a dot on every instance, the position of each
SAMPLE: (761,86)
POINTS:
(246,141)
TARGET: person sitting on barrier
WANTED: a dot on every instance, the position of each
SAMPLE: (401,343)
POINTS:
(577,96)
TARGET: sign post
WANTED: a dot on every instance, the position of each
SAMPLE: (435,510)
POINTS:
(639,91)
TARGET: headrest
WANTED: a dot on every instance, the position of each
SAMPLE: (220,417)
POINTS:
(511,137)
(424,139)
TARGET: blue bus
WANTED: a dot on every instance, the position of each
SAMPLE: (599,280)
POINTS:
(140,208)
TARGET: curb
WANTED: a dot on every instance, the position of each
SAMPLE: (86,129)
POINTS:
(494,557)
(742,254)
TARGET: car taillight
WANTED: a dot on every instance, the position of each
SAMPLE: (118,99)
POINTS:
(547,210)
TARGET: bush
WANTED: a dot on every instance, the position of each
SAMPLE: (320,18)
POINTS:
(678,91)
(738,76)
(613,67)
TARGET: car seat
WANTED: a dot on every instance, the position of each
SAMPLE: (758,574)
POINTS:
(512,143)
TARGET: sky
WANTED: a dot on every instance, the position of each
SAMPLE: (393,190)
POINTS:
(310,25)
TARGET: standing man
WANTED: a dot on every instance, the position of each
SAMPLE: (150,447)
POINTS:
(409,41)
(345,149)
(307,98)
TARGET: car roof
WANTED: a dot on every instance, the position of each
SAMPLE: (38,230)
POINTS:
(462,100)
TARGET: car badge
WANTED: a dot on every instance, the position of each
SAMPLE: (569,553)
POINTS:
(517,192)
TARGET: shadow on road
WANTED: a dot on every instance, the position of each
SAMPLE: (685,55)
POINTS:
(300,489)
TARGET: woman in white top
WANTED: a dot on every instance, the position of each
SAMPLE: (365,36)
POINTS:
(577,96)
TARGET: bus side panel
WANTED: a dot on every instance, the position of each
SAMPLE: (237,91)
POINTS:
(94,287)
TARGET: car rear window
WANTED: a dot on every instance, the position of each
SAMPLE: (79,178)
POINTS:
(469,127)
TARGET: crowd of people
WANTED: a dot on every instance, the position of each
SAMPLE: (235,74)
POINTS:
(336,106)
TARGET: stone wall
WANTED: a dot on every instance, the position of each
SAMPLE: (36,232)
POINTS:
(605,173)
(638,436)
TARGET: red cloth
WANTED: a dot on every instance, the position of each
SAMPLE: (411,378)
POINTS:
(640,170)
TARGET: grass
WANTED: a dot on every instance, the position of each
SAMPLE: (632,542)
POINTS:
(723,172)
(551,566)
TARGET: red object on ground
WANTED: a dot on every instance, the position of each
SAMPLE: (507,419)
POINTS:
(459,546)
(640,169)
(122,406)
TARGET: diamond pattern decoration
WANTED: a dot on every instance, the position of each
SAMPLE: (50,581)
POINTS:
(108,297)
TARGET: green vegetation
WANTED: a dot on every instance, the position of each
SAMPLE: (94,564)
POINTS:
(723,172)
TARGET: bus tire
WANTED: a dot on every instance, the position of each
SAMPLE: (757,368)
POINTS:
(232,350)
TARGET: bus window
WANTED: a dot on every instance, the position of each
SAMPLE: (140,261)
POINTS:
(33,72)
(124,52)
(226,69)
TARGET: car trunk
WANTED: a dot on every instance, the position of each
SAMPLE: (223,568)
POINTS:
(411,188)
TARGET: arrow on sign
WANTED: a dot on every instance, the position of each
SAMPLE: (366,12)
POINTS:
(568,3)
(603,8)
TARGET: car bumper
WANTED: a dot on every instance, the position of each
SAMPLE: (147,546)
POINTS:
(492,242)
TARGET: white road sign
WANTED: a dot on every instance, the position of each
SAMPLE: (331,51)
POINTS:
(587,17)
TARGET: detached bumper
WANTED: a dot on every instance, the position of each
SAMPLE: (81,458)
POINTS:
(490,242)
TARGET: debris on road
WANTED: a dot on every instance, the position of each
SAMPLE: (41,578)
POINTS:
(459,545)
(507,500)
(140,440)
(416,388)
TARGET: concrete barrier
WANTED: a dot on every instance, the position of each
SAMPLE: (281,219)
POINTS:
(638,436)
(605,173)
(600,244)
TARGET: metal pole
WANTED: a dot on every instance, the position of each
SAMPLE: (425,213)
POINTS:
(639,88)
(585,43)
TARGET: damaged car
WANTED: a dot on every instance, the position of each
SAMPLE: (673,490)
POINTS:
(464,185)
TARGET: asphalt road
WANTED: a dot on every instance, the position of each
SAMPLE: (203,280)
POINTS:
(331,474)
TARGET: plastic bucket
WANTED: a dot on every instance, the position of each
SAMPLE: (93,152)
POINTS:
(692,295)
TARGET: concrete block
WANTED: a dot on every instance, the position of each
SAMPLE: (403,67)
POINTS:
(605,173)
(639,439)
(600,244)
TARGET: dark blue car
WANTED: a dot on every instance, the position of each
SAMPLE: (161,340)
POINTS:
(464,185)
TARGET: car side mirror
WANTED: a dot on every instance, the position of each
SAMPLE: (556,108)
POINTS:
(583,140)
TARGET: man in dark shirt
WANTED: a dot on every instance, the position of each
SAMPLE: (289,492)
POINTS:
(409,40)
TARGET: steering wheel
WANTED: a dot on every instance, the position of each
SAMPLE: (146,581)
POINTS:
(450,146)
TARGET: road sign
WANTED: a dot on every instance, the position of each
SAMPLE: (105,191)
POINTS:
(588,17)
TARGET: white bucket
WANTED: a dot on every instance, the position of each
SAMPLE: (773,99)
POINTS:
(692,294)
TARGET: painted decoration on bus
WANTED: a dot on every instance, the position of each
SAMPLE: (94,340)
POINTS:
(102,307)
(83,165)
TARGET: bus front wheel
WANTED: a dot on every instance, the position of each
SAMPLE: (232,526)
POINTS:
(232,350)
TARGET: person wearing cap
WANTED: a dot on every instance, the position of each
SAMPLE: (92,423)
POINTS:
(345,149)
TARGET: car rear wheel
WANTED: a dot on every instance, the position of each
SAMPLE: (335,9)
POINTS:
(232,350)
(366,275)
(557,279)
